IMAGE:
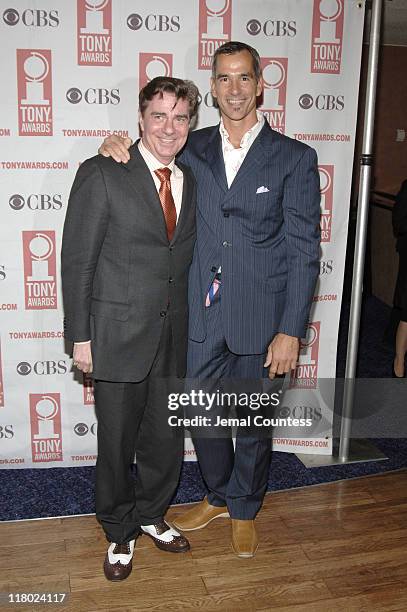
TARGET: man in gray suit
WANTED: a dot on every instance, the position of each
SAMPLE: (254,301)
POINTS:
(253,274)
(127,246)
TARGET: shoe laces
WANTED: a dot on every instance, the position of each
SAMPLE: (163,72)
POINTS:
(122,549)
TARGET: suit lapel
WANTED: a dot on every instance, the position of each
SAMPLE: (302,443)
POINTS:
(185,204)
(254,160)
(140,178)
(214,158)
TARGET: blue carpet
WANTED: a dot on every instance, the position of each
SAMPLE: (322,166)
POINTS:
(66,491)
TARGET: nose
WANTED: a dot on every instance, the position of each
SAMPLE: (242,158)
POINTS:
(169,126)
(234,86)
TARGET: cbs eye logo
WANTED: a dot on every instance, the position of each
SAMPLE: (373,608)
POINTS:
(306,101)
(253,27)
(11,17)
(16,201)
(24,368)
(74,95)
(284,412)
(81,429)
(134,21)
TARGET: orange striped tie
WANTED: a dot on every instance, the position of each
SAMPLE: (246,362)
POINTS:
(167,201)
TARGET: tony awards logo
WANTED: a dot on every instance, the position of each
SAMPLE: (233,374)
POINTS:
(39,270)
(327,35)
(275,91)
(46,433)
(305,374)
(215,25)
(152,65)
(326,179)
(34,83)
(94,32)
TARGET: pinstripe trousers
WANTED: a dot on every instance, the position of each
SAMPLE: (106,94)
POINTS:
(235,477)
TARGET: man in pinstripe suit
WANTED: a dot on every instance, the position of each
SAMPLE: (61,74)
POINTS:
(252,277)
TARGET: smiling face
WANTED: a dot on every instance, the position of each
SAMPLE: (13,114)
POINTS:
(164,125)
(236,89)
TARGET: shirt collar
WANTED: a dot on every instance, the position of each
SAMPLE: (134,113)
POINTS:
(152,162)
(248,137)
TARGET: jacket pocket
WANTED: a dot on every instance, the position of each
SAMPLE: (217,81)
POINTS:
(111,310)
(277,284)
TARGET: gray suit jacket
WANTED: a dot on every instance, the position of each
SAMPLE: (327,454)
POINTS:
(120,275)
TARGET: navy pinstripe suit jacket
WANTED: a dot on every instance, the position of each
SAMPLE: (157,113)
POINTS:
(267,240)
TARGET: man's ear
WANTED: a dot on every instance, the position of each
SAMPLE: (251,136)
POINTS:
(260,86)
(213,91)
(141,121)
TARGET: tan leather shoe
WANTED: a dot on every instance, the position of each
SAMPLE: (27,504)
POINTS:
(244,538)
(200,516)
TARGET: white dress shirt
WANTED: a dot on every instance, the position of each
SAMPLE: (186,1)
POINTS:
(176,178)
(233,158)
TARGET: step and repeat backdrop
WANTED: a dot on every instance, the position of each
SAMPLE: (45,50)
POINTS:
(71,72)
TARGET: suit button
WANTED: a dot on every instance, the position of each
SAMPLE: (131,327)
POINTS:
(170,280)
(226,214)
(225,243)
(163,313)
(171,248)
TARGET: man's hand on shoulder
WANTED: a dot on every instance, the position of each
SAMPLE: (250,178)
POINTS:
(116,147)
(282,354)
(82,357)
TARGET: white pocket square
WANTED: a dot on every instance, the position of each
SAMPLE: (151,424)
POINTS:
(262,189)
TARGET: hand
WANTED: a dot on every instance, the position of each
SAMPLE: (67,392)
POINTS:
(282,354)
(116,147)
(82,357)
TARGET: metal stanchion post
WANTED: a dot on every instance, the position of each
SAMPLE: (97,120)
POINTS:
(361,450)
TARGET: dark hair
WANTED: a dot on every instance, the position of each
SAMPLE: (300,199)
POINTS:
(182,89)
(232,47)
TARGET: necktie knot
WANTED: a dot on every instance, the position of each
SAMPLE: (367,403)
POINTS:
(163,174)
